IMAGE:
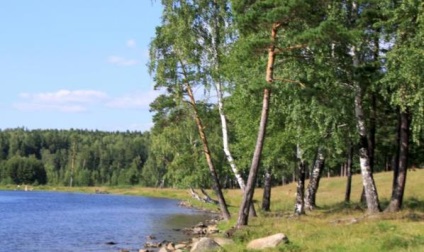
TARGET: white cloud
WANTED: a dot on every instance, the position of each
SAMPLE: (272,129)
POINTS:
(65,96)
(138,100)
(70,101)
(31,107)
(131,43)
(76,101)
(121,61)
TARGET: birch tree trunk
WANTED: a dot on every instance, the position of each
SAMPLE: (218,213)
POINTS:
(266,199)
(227,151)
(370,189)
(314,181)
(400,175)
(299,208)
(216,185)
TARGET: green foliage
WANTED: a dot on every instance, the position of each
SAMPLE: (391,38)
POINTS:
(313,88)
(405,60)
(87,157)
(26,170)
(176,156)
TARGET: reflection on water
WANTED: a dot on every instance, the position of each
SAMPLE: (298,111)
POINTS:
(50,221)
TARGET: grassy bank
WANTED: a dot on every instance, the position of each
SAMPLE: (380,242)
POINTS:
(335,226)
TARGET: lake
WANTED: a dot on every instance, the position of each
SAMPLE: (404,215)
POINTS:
(58,221)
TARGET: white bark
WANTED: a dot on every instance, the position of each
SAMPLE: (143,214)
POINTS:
(299,207)
(227,151)
(364,160)
(314,181)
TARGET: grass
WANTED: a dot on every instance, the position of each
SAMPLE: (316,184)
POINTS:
(337,226)
(334,226)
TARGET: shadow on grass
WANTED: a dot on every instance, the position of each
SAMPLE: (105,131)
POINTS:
(342,207)
(414,204)
(410,204)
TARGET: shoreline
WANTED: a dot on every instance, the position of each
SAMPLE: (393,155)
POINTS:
(194,233)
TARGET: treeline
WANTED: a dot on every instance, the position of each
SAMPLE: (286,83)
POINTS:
(72,157)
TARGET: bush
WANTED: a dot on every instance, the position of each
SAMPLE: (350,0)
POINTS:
(26,170)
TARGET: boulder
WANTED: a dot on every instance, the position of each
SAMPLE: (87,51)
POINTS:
(212,229)
(198,231)
(180,246)
(268,242)
(223,241)
(205,244)
(163,249)
(170,246)
(194,240)
(200,225)
(152,244)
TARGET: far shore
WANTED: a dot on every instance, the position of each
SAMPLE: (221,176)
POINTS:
(170,193)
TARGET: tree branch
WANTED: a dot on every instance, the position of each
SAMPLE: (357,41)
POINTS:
(290,48)
(293,81)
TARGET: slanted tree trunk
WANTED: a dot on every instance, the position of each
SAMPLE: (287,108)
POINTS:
(266,199)
(243,217)
(216,185)
(370,189)
(313,185)
(400,175)
(349,173)
(299,208)
(226,146)
(227,151)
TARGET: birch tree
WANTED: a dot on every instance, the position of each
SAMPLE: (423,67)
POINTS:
(176,61)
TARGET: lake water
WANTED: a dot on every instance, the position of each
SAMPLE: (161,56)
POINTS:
(53,221)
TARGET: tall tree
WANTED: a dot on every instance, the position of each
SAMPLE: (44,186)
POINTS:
(176,61)
(272,27)
(405,78)
(359,44)
(215,38)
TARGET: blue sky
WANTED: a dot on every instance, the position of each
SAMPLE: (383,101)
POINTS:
(76,64)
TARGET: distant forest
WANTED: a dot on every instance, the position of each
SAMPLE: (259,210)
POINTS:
(72,157)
